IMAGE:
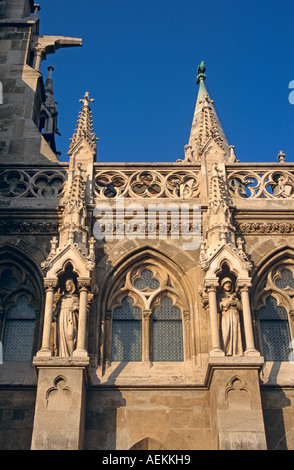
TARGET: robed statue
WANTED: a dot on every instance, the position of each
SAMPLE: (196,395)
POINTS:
(65,317)
(230,308)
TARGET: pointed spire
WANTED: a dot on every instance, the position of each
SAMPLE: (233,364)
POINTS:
(49,88)
(206,128)
(48,112)
(84,130)
(75,211)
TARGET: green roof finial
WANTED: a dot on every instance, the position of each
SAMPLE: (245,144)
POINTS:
(201,72)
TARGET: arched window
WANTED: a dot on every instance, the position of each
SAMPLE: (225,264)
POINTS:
(274,331)
(19,330)
(274,303)
(19,305)
(167,332)
(146,316)
(127,332)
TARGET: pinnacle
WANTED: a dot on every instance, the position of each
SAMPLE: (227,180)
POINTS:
(206,128)
(84,129)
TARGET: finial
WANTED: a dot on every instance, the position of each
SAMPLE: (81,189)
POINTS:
(50,70)
(201,72)
(281,157)
(86,99)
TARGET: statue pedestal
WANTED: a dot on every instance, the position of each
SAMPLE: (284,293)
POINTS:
(60,403)
(235,403)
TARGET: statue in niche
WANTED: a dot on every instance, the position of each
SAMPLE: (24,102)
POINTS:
(230,308)
(66,321)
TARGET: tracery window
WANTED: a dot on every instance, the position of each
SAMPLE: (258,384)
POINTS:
(146,315)
(275,302)
(18,309)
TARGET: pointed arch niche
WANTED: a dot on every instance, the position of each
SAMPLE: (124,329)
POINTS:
(273,305)
(67,268)
(21,301)
(229,263)
(144,311)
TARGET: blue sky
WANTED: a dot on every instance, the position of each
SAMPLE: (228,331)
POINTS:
(139,62)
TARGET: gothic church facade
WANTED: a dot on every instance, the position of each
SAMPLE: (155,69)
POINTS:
(126,332)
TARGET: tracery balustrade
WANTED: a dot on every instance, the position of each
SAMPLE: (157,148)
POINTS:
(147,183)
(261,183)
(42,183)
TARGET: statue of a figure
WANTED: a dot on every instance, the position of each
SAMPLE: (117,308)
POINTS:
(230,307)
(66,318)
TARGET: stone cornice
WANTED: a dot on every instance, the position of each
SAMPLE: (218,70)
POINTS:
(265,228)
(28,227)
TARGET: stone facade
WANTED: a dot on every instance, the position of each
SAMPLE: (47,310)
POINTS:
(143,306)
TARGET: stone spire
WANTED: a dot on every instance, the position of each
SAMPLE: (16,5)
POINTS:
(207,136)
(219,229)
(74,216)
(48,112)
(73,230)
(84,130)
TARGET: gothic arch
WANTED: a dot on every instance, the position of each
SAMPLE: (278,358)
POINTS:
(269,288)
(117,285)
(228,255)
(282,256)
(147,444)
(141,255)
(25,285)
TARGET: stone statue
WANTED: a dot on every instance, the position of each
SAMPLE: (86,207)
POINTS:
(230,307)
(66,318)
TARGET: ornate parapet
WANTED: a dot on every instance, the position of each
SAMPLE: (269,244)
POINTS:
(43,183)
(261,181)
(156,182)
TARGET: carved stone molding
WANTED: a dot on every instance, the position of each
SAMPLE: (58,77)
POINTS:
(264,227)
(28,227)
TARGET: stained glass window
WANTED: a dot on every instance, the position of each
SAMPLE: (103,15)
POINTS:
(167,332)
(127,332)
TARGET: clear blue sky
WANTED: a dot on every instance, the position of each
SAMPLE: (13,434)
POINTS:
(139,62)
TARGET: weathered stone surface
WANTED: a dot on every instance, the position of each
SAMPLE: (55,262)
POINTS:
(225,388)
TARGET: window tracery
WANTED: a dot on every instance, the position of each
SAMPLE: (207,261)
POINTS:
(274,306)
(146,313)
(19,308)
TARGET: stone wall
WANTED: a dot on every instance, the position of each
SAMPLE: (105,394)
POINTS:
(169,419)
(17,409)
(278,416)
